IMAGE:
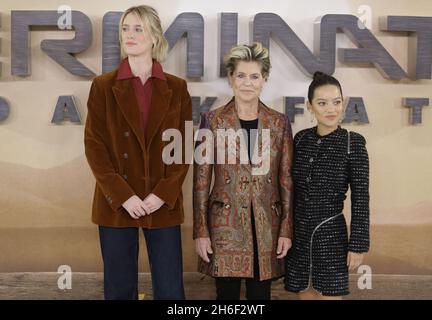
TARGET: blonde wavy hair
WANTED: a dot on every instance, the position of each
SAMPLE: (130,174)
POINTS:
(150,19)
(253,52)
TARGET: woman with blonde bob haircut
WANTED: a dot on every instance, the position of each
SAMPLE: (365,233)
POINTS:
(128,111)
(243,225)
(150,20)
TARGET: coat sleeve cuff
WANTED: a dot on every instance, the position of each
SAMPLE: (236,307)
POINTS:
(119,195)
(166,194)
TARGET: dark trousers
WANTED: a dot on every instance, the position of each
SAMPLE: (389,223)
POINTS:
(228,288)
(120,247)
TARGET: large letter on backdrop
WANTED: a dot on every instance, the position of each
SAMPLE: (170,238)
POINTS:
(62,51)
(267,25)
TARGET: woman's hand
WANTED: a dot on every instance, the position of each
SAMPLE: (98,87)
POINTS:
(135,207)
(203,248)
(153,202)
(354,260)
(284,244)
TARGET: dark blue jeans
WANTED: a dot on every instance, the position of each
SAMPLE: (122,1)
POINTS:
(120,249)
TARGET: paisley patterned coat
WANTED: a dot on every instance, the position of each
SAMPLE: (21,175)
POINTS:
(224,212)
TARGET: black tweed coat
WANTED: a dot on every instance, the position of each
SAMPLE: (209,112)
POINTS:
(324,167)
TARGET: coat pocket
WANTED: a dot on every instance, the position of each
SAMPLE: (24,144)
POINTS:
(276,207)
(216,206)
(219,213)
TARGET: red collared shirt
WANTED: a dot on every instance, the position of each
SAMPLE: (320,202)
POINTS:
(143,92)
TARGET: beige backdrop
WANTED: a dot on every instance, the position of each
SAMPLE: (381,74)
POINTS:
(46,186)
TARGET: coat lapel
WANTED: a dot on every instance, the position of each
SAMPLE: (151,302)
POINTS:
(232,121)
(261,119)
(124,94)
(160,102)
(265,121)
(126,99)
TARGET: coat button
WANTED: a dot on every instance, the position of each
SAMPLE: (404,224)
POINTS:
(311,160)
(227,206)
(269,179)
(319,141)
(125,155)
(126,134)
(228,181)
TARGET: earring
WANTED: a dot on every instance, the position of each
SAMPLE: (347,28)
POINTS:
(312,117)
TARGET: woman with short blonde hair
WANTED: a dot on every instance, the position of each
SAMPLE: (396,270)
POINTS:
(243,224)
